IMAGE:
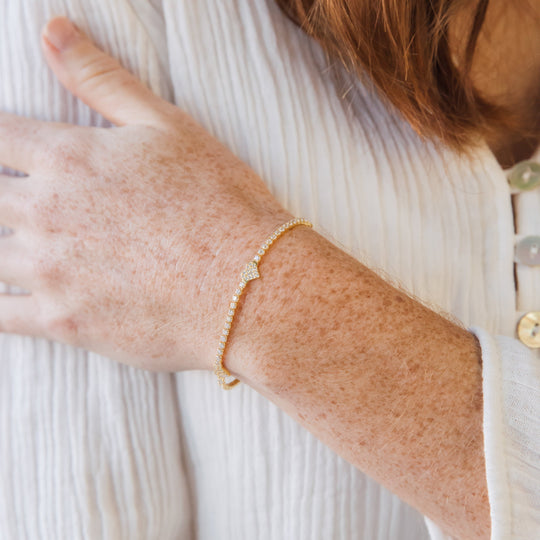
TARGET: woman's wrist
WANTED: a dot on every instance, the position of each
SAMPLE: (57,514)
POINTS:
(256,333)
(221,278)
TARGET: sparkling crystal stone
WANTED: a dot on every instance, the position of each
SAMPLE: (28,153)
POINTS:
(251,271)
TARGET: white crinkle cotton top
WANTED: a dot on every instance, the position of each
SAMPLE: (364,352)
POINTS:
(96,450)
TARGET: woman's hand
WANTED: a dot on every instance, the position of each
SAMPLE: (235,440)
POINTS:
(130,239)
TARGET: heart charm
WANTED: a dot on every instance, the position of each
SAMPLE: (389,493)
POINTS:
(250,272)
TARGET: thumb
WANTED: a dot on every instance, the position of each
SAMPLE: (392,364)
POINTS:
(98,79)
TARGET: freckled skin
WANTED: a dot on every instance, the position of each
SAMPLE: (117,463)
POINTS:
(121,225)
(131,241)
(390,385)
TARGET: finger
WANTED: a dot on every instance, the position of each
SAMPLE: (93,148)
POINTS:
(98,79)
(21,140)
(19,314)
(13,202)
(15,265)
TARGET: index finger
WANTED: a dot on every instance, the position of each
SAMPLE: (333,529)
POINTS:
(21,140)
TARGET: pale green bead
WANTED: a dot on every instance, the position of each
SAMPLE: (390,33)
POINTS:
(525,176)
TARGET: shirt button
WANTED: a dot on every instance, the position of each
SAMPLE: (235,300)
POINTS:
(528,251)
(528,329)
(525,175)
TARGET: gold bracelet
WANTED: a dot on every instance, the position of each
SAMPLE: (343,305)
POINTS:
(251,271)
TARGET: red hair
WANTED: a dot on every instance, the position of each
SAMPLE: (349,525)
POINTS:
(403,47)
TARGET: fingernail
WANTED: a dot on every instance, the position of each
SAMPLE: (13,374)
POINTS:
(61,33)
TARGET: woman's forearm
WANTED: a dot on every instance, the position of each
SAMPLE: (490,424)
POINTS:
(129,238)
(393,387)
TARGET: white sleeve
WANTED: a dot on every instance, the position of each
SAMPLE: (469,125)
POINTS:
(511,388)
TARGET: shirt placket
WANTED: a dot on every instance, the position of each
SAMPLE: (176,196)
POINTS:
(524,180)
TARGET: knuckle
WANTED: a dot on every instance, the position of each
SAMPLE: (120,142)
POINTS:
(48,272)
(170,120)
(63,327)
(44,212)
(19,200)
(62,151)
(95,70)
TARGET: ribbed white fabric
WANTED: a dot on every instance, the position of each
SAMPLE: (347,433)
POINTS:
(91,449)
(88,449)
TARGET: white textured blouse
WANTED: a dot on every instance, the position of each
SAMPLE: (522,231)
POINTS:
(96,450)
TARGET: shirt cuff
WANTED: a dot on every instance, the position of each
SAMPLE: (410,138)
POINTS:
(511,427)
